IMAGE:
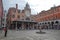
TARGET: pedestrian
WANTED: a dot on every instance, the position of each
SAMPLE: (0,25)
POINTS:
(5,30)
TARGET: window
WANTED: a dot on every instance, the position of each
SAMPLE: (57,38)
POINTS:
(13,16)
(14,11)
(22,19)
(31,20)
(22,11)
(18,16)
(18,11)
(3,19)
(3,24)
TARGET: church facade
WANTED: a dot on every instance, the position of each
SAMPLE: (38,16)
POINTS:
(20,19)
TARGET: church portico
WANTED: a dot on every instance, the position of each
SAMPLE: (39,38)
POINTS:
(23,25)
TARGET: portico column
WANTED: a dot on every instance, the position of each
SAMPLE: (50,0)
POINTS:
(33,26)
(12,26)
(28,26)
(57,26)
(48,26)
(22,25)
(36,26)
(16,25)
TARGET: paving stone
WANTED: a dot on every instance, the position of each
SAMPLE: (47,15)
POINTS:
(32,35)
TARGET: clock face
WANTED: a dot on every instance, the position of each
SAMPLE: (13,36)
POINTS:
(27,13)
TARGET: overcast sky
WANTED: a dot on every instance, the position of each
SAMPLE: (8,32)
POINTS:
(35,5)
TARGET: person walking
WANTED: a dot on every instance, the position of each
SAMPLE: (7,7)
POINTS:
(5,30)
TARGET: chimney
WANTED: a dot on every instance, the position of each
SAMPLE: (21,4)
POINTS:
(16,7)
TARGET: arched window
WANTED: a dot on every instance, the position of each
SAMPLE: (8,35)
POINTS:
(13,16)
(18,16)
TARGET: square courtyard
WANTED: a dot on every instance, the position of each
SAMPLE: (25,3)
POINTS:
(31,35)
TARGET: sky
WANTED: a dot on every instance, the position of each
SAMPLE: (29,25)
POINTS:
(35,5)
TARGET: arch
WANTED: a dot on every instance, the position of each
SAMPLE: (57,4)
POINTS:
(40,23)
(57,22)
(48,22)
(45,23)
(52,22)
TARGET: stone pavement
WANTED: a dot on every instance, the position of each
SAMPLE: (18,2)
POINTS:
(32,35)
(1,33)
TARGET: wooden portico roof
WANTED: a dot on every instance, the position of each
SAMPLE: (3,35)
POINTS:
(25,21)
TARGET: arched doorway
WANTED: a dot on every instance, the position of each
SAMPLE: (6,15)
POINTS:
(52,24)
(57,25)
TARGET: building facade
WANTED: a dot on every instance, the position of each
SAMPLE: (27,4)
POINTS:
(20,19)
(49,19)
(1,12)
(23,19)
(4,21)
